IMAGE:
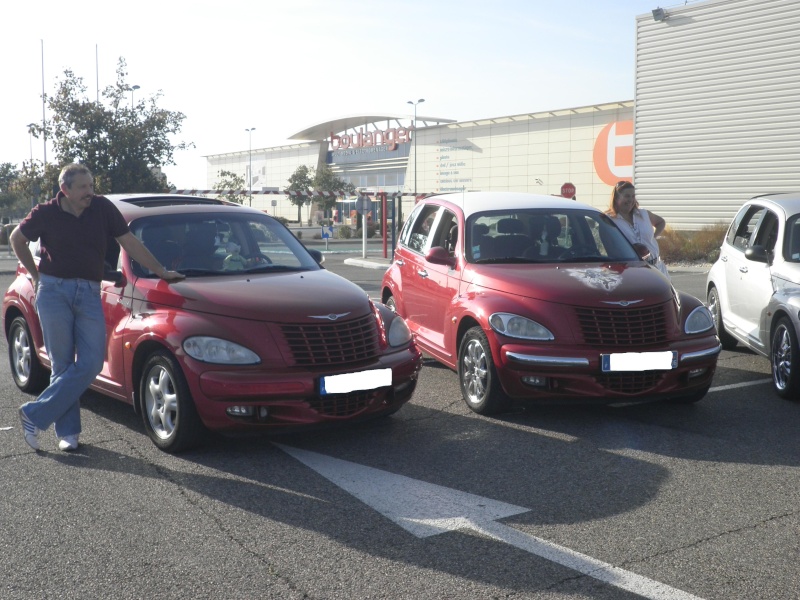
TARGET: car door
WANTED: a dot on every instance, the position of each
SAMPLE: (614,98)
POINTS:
(115,297)
(741,273)
(439,282)
(756,280)
(412,288)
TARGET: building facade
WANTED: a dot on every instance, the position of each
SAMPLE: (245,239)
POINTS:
(715,120)
(589,147)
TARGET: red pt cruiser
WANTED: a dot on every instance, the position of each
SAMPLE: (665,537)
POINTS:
(541,298)
(257,337)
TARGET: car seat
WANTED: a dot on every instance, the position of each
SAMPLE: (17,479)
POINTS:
(200,245)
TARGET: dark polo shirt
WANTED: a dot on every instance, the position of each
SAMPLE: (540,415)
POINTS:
(73,247)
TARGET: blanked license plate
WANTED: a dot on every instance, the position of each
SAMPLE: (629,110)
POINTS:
(352,382)
(639,361)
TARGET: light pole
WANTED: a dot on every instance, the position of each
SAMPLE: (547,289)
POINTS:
(250,168)
(30,142)
(400,208)
(134,87)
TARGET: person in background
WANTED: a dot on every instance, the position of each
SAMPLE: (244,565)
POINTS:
(638,225)
(74,230)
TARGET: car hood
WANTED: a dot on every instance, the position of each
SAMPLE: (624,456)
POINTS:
(578,284)
(277,297)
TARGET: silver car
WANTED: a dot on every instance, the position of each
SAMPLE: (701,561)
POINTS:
(754,287)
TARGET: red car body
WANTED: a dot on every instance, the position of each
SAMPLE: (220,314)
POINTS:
(562,273)
(304,324)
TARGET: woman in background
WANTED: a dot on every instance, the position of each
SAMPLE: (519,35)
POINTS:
(638,225)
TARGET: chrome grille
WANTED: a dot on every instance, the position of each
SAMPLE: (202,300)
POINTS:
(610,327)
(320,344)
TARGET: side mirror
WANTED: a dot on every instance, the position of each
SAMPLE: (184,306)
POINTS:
(318,256)
(116,277)
(439,256)
(642,251)
(757,254)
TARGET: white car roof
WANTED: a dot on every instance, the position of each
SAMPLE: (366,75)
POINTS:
(789,204)
(475,202)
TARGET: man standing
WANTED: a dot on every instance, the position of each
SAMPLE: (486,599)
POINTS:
(74,229)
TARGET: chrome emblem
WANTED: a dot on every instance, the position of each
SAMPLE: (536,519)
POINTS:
(621,302)
(330,317)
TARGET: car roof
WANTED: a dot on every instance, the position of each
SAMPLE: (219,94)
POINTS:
(133,206)
(475,202)
(788,203)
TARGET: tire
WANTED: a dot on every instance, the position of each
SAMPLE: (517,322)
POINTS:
(27,370)
(726,339)
(477,375)
(168,411)
(784,359)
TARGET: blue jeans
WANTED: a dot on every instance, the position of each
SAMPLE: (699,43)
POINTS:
(74,333)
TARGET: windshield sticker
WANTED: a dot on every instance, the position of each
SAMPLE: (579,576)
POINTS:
(600,277)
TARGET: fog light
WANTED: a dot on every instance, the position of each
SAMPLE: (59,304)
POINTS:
(535,380)
(240,411)
(697,372)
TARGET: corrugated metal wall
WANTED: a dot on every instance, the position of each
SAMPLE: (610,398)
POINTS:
(717,108)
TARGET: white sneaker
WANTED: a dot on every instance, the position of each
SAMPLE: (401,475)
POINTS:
(29,430)
(68,443)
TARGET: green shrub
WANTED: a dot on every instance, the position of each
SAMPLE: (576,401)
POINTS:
(692,246)
(344,232)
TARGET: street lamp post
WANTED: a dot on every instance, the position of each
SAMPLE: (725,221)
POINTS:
(135,87)
(33,183)
(250,168)
(400,208)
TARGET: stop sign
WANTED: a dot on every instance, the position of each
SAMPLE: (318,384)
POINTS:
(568,190)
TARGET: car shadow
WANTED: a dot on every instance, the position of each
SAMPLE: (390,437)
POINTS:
(559,480)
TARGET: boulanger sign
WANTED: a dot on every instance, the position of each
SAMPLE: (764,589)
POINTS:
(368,139)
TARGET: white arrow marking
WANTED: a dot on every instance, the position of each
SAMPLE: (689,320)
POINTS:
(426,509)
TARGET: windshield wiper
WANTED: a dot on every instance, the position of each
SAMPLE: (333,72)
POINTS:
(198,272)
(272,269)
(506,260)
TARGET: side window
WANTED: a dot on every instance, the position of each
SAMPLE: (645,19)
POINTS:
(446,234)
(744,232)
(767,233)
(405,233)
(791,240)
(731,235)
(422,228)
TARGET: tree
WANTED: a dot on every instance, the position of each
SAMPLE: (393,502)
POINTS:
(301,181)
(230,181)
(123,145)
(326,180)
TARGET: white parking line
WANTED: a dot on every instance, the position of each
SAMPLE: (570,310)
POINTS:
(733,386)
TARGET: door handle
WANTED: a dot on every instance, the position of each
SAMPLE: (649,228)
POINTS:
(399,262)
(723,258)
(422,273)
(743,269)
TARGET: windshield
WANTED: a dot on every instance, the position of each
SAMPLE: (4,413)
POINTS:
(545,236)
(226,243)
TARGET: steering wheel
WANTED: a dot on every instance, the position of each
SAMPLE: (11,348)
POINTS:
(579,251)
(261,259)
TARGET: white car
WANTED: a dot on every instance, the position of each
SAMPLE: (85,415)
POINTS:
(754,287)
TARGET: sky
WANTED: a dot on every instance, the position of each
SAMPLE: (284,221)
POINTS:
(281,66)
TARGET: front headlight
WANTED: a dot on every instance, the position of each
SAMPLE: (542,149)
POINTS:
(699,320)
(519,327)
(220,352)
(399,333)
